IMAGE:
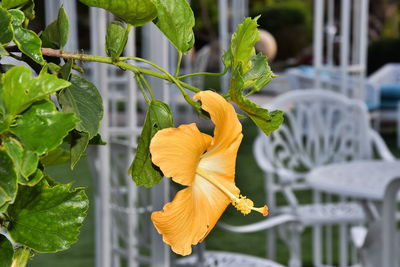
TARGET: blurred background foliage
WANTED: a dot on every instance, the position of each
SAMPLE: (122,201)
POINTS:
(291,23)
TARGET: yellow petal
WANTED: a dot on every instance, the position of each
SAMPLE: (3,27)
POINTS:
(192,214)
(221,155)
(228,129)
(177,151)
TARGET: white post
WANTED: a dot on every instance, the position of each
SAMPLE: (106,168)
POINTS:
(363,46)
(156,50)
(318,39)
(223,39)
(99,71)
(133,215)
(344,46)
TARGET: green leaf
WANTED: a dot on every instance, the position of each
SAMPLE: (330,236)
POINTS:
(79,143)
(3,51)
(8,181)
(6,33)
(3,208)
(176,20)
(116,39)
(84,100)
(63,27)
(29,44)
(142,169)
(97,140)
(25,161)
(32,180)
(29,9)
(56,33)
(65,71)
(42,128)
(20,89)
(265,120)
(6,252)
(259,75)
(17,17)
(47,219)
(7,4)
(56,157)
(242,49)
(51,36)
(135,12)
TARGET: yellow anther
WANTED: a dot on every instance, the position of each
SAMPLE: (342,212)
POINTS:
(246,205)
(241,203)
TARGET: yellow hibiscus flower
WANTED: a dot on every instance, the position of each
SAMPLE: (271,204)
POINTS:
(206,165)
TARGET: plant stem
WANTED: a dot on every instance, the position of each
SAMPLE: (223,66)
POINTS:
(147,86)
(201,73)
(21,257)
(137,70)
(171,78)
(178,64)
(139,82)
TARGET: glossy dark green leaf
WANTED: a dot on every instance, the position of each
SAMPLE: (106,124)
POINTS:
(51,36)
(4,208)
(142,170)
(97,140)
(42,128)
(6,252)
(47,219)
(33,179)
(20,89)
(65,71)
(259,75)
(6,33)
(241,49)
(135,12)
(63,27)
(116,39)
(84,100)
(29,9)
(8,181)
(3,51)
(56,157)
(29,44)
(3,126)
(176,20)
(13,3)
(79,143)
(265,120)
(17,17)
(25,161)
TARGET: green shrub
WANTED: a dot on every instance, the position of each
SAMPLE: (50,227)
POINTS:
(383,51)
(290,22)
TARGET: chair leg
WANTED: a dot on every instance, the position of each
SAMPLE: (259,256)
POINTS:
(317,246)
(271,233)
(291,235)
(271,244)
(317,236)
(295,247)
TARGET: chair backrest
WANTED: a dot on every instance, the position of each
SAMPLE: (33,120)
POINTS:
(320,127)
(389,73)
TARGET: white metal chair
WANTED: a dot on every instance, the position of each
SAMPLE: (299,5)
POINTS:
(389,76)
(321,127)
(207,258)
(303,77)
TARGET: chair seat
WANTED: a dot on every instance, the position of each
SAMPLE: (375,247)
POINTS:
(329,213)
(227,259)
